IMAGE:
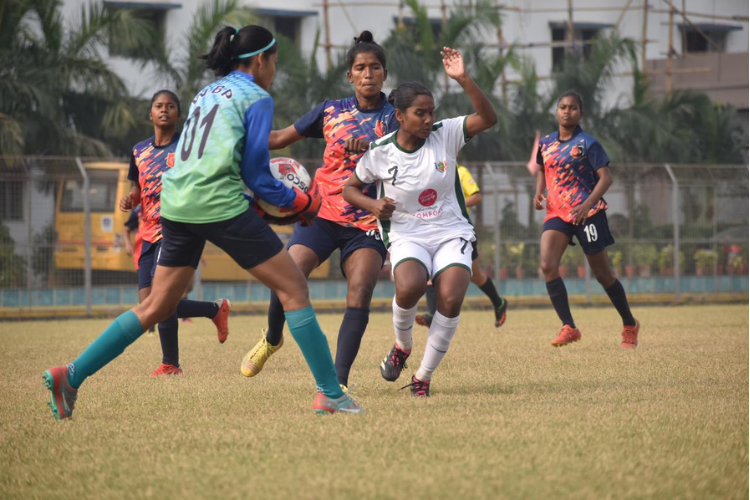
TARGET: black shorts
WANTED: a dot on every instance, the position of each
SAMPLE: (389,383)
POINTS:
(593,235)
(147,263)
(246,238)
(324,236)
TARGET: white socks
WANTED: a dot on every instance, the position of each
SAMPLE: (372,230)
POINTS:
(438,340)
(403,324)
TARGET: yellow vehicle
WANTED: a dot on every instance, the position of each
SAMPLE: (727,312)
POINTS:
(108,183)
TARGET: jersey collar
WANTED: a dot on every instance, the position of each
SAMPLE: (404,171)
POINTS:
(577,131)
(383,99)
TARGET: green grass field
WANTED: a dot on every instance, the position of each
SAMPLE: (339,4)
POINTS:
(510,416)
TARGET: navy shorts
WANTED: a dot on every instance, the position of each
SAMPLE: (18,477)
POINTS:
(593,235)
(324,236)
(246,238)
(147,263)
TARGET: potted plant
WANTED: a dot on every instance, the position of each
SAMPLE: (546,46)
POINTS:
(704,262)
(515,258)
(666,260)
(734,266)
(616,260)
(645,257)
(567,261)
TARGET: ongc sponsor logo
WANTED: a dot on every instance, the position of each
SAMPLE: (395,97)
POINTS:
(428,197)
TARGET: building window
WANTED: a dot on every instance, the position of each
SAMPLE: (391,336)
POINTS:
(11,200)
(583,34)
(155,19)
(288,27)
(692,41)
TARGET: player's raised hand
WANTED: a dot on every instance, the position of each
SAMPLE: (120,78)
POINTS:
(383,208)
(539,198)
(352,145)
(126,203)
(453,62)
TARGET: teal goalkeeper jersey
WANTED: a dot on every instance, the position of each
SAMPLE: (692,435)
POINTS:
(225,142)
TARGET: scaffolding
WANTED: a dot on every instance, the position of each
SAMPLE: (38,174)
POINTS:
(570,43)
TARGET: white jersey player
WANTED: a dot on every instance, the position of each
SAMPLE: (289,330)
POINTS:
(422,214)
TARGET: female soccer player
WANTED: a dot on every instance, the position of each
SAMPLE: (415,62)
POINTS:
(422,214)
(348,126)
(574,170)
(472,197)
(150,160)
(225,142)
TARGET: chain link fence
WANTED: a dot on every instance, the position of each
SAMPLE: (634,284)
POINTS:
(679,230)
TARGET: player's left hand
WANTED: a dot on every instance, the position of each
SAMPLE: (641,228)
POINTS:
(453,62)
(352,145)
(580,213)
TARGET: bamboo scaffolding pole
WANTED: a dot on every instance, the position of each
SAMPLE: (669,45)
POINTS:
(622,14)
(676,71)
(327,35)
(643,36)
(707,16)
(571,34)
(499,7)
(444,9)
(670,52)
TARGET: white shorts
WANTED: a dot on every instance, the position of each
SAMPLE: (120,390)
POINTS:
(436,259)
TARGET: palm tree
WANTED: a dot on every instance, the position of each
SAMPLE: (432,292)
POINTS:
(188,72)
(57,94)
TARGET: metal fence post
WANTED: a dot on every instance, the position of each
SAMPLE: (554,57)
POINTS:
(676,229)
(87,218)
(198,283)
(495,221)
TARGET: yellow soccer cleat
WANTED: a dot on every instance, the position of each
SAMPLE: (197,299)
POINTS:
(254,360)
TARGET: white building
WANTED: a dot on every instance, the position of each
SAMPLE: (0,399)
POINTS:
(718,67)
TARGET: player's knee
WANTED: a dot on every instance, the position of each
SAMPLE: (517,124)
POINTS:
(548,268)
(409,295)
(155,311)
(295,298)
(450,306)
(359,295)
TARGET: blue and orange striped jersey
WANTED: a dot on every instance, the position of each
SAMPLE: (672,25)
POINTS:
(570,172)
(337,121)
(148,163)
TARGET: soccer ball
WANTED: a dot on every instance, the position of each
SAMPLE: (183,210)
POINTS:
(293,175)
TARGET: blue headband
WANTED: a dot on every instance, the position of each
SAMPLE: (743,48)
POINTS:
(251,54)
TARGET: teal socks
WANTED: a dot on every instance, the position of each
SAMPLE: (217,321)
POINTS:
(314,346)
(111,343)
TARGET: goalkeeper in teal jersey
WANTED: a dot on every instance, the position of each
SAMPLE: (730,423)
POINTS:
(224,143)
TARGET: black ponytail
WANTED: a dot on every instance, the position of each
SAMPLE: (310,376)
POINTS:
(230,44)
(365,43)
(405,94)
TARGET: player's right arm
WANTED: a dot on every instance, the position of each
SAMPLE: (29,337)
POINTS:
(131,225)
(133,198)
(541,183)
(382,208)
(254,168)
(364,174)
(310,125)
(279,139)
